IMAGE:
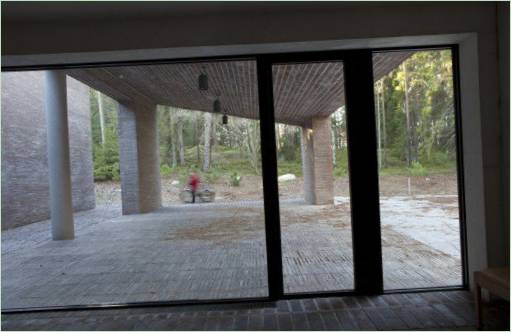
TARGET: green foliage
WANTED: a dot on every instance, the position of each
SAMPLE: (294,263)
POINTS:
(417,169)
(183,174)
(106,172)
(211,175)
(341,163)
(116,172)
(102,173)
(422,145)
(289,149)
(105,156)
(426,142)
(235,179)
(166,171)
(293,167)
(439,158)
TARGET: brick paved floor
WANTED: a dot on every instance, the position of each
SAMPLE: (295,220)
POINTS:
(199,252)
(450,310)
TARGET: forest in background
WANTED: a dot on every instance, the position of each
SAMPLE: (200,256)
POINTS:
(414,115)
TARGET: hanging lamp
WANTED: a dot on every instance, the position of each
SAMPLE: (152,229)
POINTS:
(203,81)
(216,106)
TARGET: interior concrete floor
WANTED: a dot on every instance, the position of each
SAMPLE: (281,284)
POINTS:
(202,251)
(449,310)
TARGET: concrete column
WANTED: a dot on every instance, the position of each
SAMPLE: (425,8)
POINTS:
(139,159)
(59,170)
(317,164)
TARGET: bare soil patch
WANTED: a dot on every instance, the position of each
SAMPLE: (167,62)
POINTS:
(238,226)
(248,223)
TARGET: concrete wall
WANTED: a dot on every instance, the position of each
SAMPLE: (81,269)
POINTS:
(503,59)
(24,156)
(202,32)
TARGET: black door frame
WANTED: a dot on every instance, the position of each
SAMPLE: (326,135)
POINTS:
(362,160)
(363,168)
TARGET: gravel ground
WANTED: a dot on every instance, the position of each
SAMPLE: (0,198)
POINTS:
(251,188)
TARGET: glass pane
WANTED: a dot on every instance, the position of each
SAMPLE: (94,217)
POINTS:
(139,126)
(313,177)
(417,169)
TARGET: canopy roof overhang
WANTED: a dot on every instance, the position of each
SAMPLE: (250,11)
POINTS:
(302,91)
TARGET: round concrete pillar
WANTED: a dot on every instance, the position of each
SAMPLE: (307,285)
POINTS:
(59,169)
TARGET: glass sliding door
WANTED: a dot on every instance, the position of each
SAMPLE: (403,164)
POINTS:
(418,175)
(176,152)
(175,161)
(313,178)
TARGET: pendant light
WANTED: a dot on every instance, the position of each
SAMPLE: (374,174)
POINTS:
(216,106)
(203,81)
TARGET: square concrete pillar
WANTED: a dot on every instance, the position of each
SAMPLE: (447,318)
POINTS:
(139,159)
(317,164)
(308,166)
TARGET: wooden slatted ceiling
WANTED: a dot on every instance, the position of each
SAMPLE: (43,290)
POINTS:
(302,91)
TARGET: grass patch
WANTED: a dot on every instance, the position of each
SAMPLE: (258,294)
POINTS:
(227,165)
(293,167)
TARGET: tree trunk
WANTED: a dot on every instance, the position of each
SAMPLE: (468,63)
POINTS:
(334,160)
(214,138)
(277,136)
(197,137)
(208,117)
(253,144)
(408,120)
(290,135)
(345,127)
(384,127)
(413,126)
(101,117)
(240,136)
(172,138)
(378,123)
(180,142)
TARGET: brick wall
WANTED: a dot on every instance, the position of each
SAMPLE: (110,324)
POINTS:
(139,158)
(309,191)
(25,185)
(323,163)
(317,163)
